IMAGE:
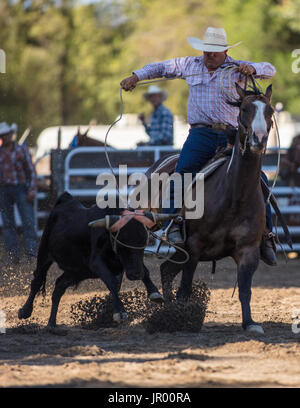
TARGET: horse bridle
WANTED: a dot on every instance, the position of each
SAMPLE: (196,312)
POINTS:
(243,130)
(241,127)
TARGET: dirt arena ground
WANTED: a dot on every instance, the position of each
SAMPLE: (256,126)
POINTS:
(221,355)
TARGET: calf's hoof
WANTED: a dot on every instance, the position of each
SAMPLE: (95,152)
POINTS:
(255,328)
(119,317)
(156,297)
(24,312)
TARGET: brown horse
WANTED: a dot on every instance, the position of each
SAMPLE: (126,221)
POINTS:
(84,140)
(290,172)
(290,164)
(234,207)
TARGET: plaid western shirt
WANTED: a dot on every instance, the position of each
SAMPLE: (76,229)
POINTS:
(16,167)
(207,94)
(160,129)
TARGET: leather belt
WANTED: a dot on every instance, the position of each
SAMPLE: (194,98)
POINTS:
(215,126)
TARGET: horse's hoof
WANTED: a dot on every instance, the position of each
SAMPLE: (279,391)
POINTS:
(255,328)
(156,297)
(24,313)
(119,317)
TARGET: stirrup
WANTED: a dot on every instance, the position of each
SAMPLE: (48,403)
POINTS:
(164,235)
(174,235)
(270,237)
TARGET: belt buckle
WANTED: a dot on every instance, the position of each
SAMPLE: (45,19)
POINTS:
(219,126)
(216,126)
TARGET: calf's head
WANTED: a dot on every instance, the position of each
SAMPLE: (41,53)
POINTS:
(129,237)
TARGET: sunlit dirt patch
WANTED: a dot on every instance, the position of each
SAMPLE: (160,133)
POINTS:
(97,311)
(79,351)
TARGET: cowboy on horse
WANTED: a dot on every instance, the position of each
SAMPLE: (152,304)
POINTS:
(210,116)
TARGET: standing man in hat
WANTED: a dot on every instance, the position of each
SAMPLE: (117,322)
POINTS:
(208,113)
(17,186)
(160,129)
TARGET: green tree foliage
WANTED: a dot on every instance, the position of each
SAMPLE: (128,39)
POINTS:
(65,59)
(160,33)
(270,31)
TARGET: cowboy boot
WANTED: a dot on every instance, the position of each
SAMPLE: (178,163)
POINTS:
(228,151)
(174,234)
(268,248)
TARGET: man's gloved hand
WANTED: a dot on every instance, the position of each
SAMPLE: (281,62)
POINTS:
(247,69)
(128,84)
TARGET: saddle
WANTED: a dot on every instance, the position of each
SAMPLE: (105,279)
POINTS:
(214,164)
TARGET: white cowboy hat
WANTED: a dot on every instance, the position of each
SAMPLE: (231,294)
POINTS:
(215,40)
(5,128)
(154,89)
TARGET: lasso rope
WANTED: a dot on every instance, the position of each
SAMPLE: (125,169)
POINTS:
(115,241)
(228,69)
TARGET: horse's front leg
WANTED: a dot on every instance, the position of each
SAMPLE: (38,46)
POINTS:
(168,272)
(186,285)
(247,260)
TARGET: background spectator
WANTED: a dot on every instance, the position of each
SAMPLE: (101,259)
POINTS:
(17,186)
(160,129)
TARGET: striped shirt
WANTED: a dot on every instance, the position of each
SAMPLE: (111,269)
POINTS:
(160,129)
(207,94)
(16,167)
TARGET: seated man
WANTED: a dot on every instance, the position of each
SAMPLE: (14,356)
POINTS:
(208,112)
(160,129)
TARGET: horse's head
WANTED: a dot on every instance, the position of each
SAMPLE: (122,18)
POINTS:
(255,117)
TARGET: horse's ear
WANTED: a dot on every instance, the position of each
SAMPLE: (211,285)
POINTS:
(87,131)
(268,93)
(241,92)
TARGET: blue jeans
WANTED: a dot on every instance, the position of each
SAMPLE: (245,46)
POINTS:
(198,149)
(10,195)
